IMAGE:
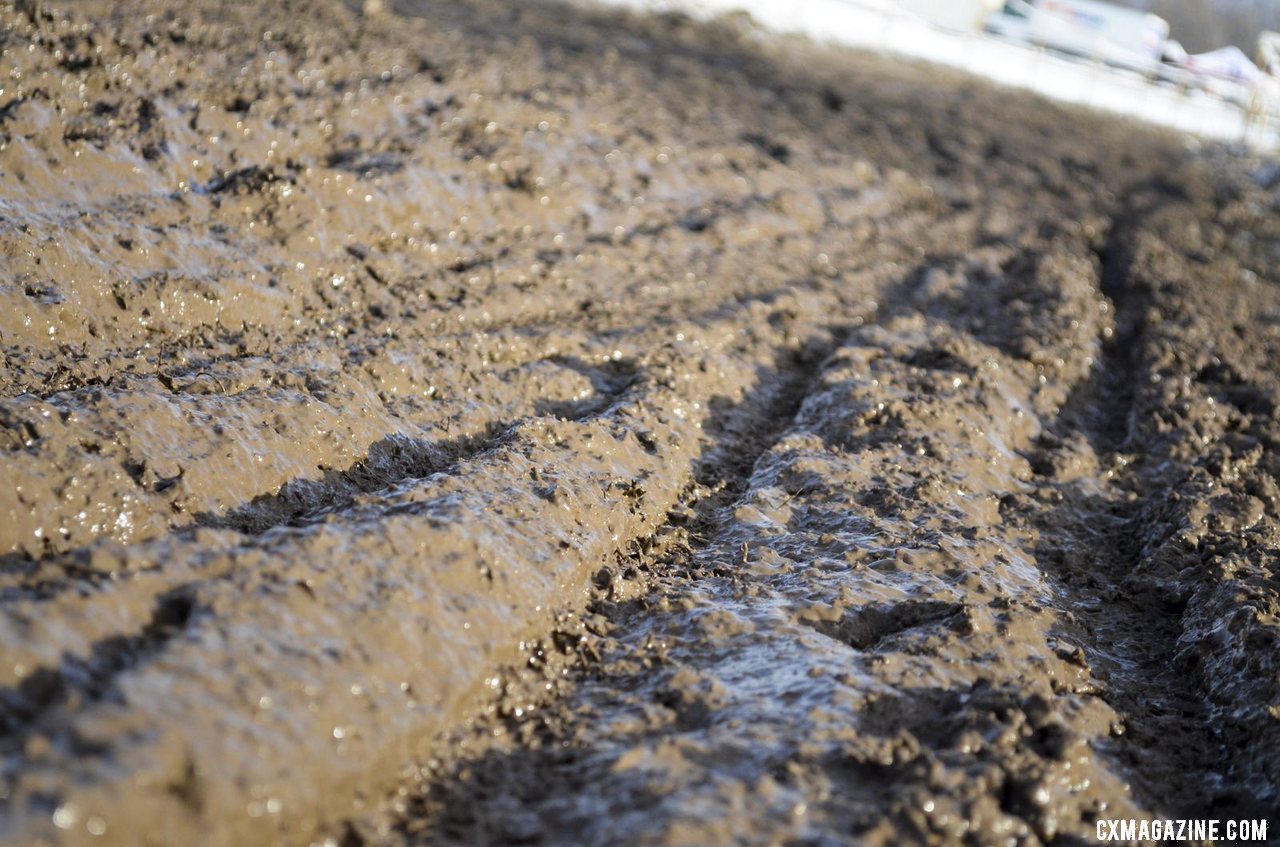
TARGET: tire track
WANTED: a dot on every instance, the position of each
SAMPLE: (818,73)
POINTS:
(484,577)
(86,414)
(534,382)
(1104,526)
(863,561)
(1140,574)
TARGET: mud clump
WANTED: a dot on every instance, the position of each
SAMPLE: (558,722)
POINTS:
(475,423)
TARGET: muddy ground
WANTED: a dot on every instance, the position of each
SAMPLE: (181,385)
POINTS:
(493,423)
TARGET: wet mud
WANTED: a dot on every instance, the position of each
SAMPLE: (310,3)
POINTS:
(489,423)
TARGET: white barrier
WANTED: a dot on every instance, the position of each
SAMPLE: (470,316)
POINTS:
(1175,102)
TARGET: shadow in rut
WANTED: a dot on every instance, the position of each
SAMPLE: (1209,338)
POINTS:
(608,380)
(390,461)
(396,460)
(488,798)
(1093,545)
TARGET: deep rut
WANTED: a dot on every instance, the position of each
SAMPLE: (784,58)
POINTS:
(1093,541)
(1117,538)
(664,712)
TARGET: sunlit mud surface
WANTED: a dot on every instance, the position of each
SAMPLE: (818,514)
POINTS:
(518,423)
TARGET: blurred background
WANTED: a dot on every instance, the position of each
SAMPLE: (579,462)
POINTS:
(1210,68)
(1206,24)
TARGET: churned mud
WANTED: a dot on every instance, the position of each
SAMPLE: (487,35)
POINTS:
(524,423)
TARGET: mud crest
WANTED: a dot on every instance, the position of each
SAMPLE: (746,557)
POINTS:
(476,423)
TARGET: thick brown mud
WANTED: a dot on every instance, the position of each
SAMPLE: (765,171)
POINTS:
(492,423)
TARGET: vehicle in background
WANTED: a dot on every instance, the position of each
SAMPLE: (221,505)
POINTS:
(1174,54)
(1094,30)
(1229,63)
(1227,73)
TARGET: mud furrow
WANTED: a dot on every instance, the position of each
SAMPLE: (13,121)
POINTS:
(173,489)
(717,472)
(1167,743)
(1178,545)
(87,418)
(45,698)
(864,563)
(595,380)
(473,520)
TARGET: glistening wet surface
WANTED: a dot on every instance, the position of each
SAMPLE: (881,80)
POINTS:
(482,423)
